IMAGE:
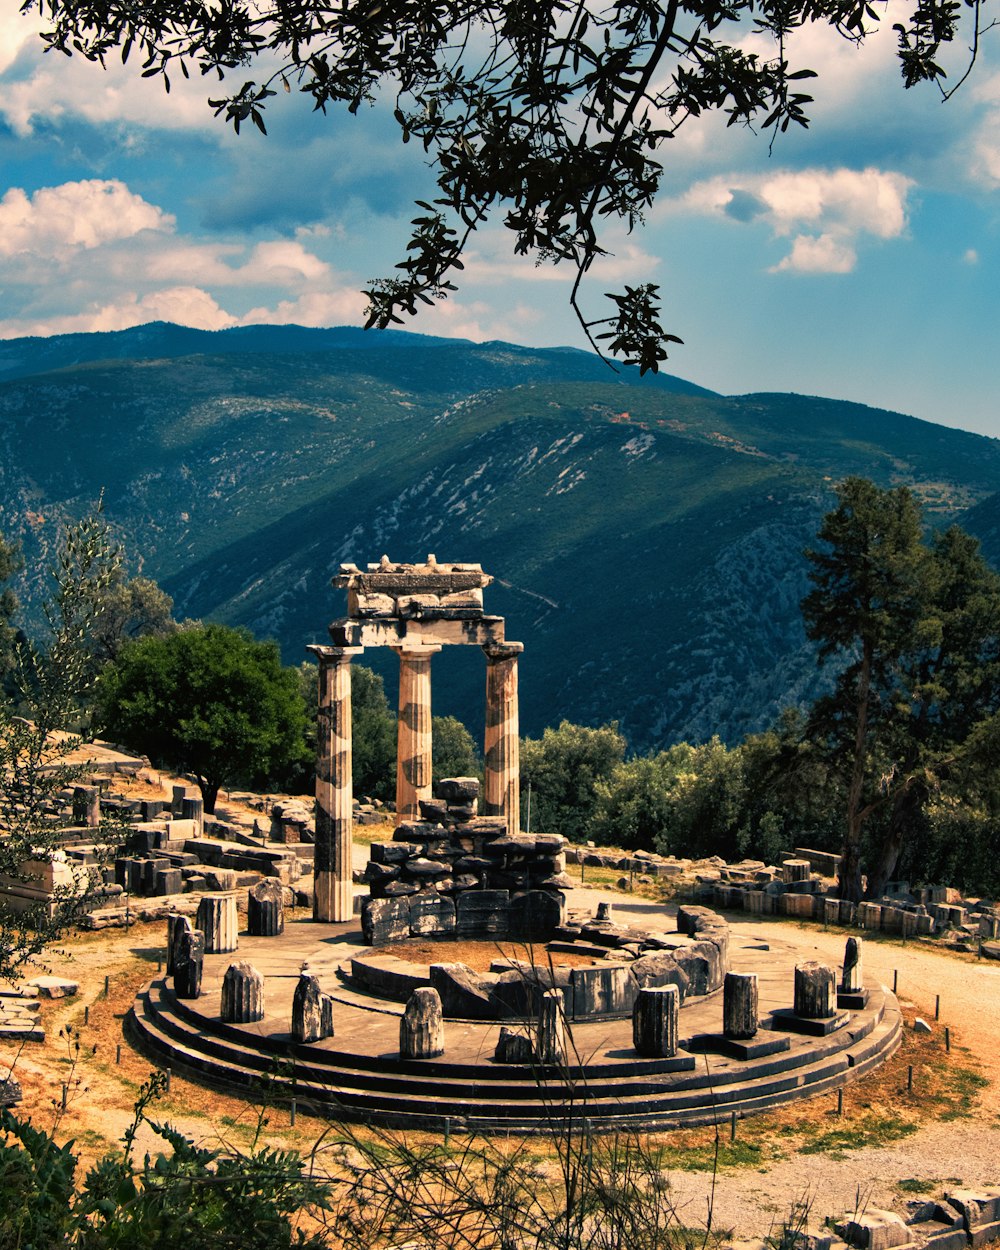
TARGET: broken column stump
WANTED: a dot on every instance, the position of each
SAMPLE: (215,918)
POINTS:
(189,958)
(851,993)
(177,926)
(218,920)
(266,909)
(654,1021)
(312,1011)
(421,1026)
(814,998)
(242,994)
(87,806)
(739,1005)
(551,1046)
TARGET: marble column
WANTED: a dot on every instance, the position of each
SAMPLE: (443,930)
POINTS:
(502,789)
(413,743)
(333,892)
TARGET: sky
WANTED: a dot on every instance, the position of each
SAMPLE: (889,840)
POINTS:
(859,259)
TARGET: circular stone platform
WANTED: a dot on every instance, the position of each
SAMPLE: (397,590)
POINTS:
(358,1074)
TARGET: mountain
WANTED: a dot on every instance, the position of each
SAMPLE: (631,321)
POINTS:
(645,534)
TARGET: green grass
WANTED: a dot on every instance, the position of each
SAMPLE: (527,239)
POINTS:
(871,1130)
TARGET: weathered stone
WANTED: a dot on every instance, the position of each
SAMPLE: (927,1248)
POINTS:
(873,1229)
(482,913)
(702,963)
(432,914)
(535,915)
(851,977)
(655,1017)
(814,991)
(385,920)
(168,881)
(266,909)
(920,1025)
(242,994)
(312,1011)
(463,994)
(660,967)
(514,1047)
(390,852)
(54,987)
(421,1026)
(87,806)
(10,1091)
(176,926)
(457,789)
(551,1045)
(603,990)
(793,870)
(739,1005)
(425,868)
(193,808)
(218,920)
(189,958)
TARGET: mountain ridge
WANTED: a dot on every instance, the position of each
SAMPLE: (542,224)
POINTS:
(645,536)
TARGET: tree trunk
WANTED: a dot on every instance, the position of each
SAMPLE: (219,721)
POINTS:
(849,883)
(905,808)
(209,793)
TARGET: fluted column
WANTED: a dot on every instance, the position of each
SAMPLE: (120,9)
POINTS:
(502,789)
(413,742)
(333,894)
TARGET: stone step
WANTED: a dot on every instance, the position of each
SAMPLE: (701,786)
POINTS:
(485,1097)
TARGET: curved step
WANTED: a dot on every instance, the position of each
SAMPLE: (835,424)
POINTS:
(497,1098)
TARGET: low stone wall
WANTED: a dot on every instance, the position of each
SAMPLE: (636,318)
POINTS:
(695,958)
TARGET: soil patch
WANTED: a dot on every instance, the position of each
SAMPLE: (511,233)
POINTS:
(479,955)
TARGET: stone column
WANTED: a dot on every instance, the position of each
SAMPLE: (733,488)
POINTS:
(242,994)
(413,743)
(189,957)
(218,920)
(333,893)
(654,1021)
(739,1005)
(177,925)
(312,1011)
(851,979)
(193,808)
(552,1029)
(421,1026)
(814,996)
(266,909)
(502,791)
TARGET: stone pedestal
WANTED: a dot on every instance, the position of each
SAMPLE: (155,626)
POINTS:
(502,788)
(654,1021)
(413,743)
(87,806)
(604,911)
(312,1011)
(814,991)
(551,1048)
(266,909)
(739,1005)
(333,894)
(218,920)
(177,926)
(421,1026)
(178,793)
(189,958)
(242,994)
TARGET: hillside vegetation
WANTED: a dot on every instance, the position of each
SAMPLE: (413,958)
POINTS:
(646,535)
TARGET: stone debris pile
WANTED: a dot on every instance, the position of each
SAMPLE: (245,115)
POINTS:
(454,873)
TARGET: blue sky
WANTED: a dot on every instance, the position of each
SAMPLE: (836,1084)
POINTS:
(859,260)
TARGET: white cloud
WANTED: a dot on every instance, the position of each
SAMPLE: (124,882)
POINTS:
(187,306)
(338,306)
(74,215)
(824,254)
(970,256)
(57,87)
(826,210)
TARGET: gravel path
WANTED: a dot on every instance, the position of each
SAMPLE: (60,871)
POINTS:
(968,1149)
